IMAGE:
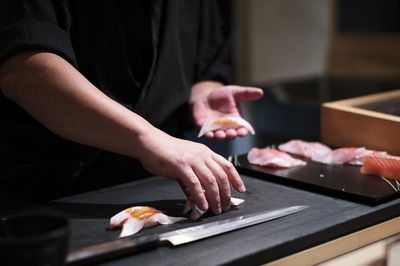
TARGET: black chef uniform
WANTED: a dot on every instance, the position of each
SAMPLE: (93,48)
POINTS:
(143,54)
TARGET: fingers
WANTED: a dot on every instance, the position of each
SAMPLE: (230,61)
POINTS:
(223,184)
(233,176)
(231,133)
(209,135)
(246,93)
(228,134)
(242,132)
(210,185)
(215,176)
(195,190)
(220,134)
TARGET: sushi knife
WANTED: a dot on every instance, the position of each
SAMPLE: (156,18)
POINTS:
(132,244)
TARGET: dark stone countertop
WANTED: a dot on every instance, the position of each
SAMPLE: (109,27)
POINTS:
(326,219)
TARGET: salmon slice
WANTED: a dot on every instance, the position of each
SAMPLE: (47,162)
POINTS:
(386,166)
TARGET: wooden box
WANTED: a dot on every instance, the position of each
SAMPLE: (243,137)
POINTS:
(371,121)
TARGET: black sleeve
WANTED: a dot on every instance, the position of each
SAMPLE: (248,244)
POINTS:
(214,48)
(35,25)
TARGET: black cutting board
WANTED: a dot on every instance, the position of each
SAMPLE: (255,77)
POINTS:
(343,181)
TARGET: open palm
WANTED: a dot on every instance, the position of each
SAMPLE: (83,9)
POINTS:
(224,101)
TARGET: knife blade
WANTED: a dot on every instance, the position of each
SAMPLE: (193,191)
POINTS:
(132,244)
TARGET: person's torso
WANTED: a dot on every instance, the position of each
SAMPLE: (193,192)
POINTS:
(140,53)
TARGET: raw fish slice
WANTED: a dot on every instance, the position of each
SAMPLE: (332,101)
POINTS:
(306,149)
(131,226)
(359,160)
(226,122)
(197,212)
(235,202)
(386,166)
(272,158)
(341,155)
(133,219)
(348,155)
(318,152)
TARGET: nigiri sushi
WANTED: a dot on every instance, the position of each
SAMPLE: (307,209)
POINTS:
(272,158)
(224,123)
(359,160)
(197,212)
(305,148)
(133,219)
(347,155)
(341,155)
(318,152)
(386,166)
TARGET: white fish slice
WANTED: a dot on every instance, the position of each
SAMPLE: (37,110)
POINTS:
(305,148)
(197,212)
(226,122)
(359,159)
(348,155)
(272,158)
(134,219)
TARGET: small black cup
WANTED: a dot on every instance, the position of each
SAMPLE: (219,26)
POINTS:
(34,239)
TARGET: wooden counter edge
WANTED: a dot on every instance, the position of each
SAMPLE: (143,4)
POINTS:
(376,97)
(341,245)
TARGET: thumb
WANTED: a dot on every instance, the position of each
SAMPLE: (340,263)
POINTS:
(246,93)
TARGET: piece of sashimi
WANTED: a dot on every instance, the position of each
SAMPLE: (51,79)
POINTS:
(305,149)
(386,166)
(272,158)
(224,123)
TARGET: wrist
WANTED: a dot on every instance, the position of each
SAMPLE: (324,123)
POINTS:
(147,142)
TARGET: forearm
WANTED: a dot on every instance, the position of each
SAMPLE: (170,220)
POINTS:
(57,95)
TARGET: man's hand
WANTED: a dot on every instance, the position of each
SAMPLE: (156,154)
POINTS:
(194,166)
(211,100)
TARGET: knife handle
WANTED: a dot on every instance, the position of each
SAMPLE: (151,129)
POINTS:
(113,249)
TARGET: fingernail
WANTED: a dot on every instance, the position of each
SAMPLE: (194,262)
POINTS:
(219,210)
(204,206)
(242,189)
